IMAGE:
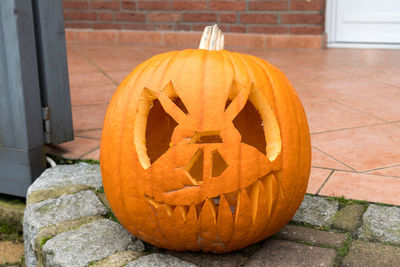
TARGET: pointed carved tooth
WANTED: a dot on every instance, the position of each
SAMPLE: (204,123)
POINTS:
(243,221)
(207,226)
(208,212)
(198,208)
(169,209)
(183,210)
(192,214)
(225,220)
(242,207)
(254,194)
(232,200)
(183,227)
(273,191)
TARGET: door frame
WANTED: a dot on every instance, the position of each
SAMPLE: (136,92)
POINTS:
(330,30)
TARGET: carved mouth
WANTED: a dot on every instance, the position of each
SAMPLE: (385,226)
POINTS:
(260,194)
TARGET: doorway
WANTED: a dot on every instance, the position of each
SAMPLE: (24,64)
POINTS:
(363,23)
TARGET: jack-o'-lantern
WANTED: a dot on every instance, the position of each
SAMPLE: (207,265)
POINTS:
(205,149)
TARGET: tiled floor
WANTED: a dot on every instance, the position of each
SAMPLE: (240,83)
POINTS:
(352,100)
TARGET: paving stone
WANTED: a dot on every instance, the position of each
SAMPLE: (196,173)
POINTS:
(299,233)
(281,253)
(11,252)
(159,260)
(371,255)
(90,242)
(316,211)
(118,259)
(64,179)
(381,223)
(349,218)
(209,259)
(53,211)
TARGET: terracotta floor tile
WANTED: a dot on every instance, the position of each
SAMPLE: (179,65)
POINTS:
(325,115)
(351,86)
(118,76)
(391,171)
(92,134)
(302,76)
(92,94)
(88,79)
(79,64)
(93,155)
(317,178)
(385,105)
(390,76)
(363,187)
(362,148)
(88,117)
(109,63)
(319,159)
(75,149)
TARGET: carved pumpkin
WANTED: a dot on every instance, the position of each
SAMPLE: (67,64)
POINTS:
(205,149)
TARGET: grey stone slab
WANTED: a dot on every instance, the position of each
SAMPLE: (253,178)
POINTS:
(118,259)
(299,233)
(90,242)
(209,259)
(381,223)
(65,176)
(281,253)
(159,260)
(316,211)
(53,211)
(349,218)
(371,255)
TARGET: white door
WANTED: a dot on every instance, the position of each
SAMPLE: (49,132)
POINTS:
(363,22)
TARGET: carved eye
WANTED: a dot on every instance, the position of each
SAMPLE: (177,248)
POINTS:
(159,129)
(156,120)
(255,120)
(250,126)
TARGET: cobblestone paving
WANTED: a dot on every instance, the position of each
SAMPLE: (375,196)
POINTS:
(342,233)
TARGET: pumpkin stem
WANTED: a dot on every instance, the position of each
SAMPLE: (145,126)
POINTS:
(212,39)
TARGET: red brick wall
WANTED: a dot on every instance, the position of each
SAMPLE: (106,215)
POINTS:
(269,16)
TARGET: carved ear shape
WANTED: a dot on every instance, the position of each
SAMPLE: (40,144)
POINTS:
(169,106)
(239,101)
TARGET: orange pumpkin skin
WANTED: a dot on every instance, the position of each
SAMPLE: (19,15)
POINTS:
(162,202)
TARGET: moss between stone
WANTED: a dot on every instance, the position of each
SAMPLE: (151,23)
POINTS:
(41,195)
(64,161)
(48,232)
(343,251)
(11,214)
(344,201)
(44,240)
(349,217)
(100,190)
(323,228)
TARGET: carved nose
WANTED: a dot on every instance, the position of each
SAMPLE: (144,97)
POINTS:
(207,137)
(205,163)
